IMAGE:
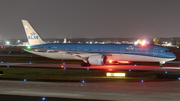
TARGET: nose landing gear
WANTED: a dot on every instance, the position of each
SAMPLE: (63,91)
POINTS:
(161,64)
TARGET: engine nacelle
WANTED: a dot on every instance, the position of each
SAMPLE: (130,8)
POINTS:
(97,60)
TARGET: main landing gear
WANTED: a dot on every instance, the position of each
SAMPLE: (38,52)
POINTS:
(85,64)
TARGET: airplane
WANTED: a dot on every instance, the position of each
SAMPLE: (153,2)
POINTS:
(96,54)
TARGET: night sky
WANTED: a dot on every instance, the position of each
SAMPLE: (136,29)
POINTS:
(91,18)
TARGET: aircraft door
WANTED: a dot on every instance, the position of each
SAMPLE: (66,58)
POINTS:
(78,49)
(155,51)
(45,50)
(122,50)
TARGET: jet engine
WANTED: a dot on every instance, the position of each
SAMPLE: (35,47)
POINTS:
(97,60)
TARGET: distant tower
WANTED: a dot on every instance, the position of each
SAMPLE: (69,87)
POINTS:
(64,40)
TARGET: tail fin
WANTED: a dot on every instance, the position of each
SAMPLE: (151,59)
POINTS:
(32,35)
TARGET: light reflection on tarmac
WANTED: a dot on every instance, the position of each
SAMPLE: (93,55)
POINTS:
(105,67)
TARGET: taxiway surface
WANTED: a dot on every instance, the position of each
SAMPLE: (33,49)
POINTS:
(105,67)
(122,91)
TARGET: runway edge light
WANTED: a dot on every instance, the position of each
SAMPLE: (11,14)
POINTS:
(116,74)
(43,98)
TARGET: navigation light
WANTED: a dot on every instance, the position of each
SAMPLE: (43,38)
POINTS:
(29,47)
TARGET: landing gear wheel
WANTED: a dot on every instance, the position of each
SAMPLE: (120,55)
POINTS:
(160,66)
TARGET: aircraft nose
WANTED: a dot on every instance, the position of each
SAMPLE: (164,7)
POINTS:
(173,55)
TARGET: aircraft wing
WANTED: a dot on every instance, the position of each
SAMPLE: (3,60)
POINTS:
(76,54)
(175,62)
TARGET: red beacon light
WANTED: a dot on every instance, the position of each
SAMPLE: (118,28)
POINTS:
(110,61)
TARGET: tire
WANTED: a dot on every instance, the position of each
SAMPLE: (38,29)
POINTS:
(85,64)
(1,72)
(160,66)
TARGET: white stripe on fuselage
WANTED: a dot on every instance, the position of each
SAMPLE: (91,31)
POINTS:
(131,57)
(114,57)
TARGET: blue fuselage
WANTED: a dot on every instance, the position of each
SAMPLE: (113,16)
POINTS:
(146,50)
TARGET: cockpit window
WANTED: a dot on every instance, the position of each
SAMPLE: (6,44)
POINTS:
(167,51)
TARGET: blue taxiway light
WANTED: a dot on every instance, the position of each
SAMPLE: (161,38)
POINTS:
(64,67)
(43,98)
(24,79)
(63,63)
(87,68)
(83,81)
(178,78)
(166,72)
(22,51)
(129,70)
(142,81)
(1,61)
(7,66)
(29,62)
(135,65)
(9,51)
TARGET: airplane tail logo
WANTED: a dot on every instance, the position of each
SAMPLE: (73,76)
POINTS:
(32,35)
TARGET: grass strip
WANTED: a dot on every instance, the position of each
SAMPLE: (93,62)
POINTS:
(60,74)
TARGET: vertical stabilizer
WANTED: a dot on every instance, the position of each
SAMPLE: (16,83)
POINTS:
(32,35)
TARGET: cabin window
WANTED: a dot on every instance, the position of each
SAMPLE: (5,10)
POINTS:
(167,51)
